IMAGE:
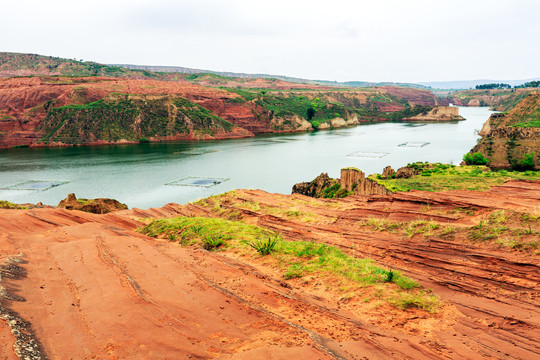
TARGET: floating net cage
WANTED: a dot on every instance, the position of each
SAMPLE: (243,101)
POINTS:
(35,185)
(195,152)
(414,125)
(199,181)
(346,133)
(414,144)
(368,155)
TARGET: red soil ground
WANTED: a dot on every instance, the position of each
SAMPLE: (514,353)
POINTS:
(93,288)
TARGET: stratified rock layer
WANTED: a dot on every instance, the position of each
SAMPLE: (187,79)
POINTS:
(354,180)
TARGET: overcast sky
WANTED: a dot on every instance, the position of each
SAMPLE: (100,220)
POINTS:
(376,40)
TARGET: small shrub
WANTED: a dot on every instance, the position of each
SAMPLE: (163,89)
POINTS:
(212,242)
(310,113)
(264,247)
(390,276)
(475,159)
(527,161)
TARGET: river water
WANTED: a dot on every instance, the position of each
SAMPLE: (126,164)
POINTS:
(138,174)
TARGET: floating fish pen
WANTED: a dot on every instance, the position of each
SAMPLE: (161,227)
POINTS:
(368,155)
(414,144)
(35,185)
(195,152)
(198,181)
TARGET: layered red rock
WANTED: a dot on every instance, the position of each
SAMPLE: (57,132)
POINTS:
(119,294)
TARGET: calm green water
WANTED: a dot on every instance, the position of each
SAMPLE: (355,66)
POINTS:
(137,174)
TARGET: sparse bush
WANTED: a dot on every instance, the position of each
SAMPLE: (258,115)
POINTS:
(475,159)
(212,242)
(527,161)
(310,113)
(264,247)
(389,276)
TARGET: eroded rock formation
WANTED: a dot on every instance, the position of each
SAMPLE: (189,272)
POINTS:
(352,181)
(388,172)
(95,206)
(439,113)
(316,187)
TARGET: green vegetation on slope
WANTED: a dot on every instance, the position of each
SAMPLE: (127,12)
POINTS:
(295,258)
(317,110)
(69,67)
(496,99)
(130,118)
(531,119)
(439,177)
(9,205)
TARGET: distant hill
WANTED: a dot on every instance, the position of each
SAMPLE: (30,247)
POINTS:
(471,84)
(184,70)
(19,64)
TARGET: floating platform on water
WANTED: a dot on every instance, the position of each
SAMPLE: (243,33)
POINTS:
(369,155)
(196,152)
(414,144)
(199,181)
(35,185)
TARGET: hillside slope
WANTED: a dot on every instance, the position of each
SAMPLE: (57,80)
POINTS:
(496,99)
(68,102)
(20,64)
(62,110)
(512,140)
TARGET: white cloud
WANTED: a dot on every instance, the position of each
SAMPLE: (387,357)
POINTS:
(385,40)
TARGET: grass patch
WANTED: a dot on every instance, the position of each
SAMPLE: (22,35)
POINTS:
(509,229)
(420,300)
(9,205)
(450,177)
(295,258)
